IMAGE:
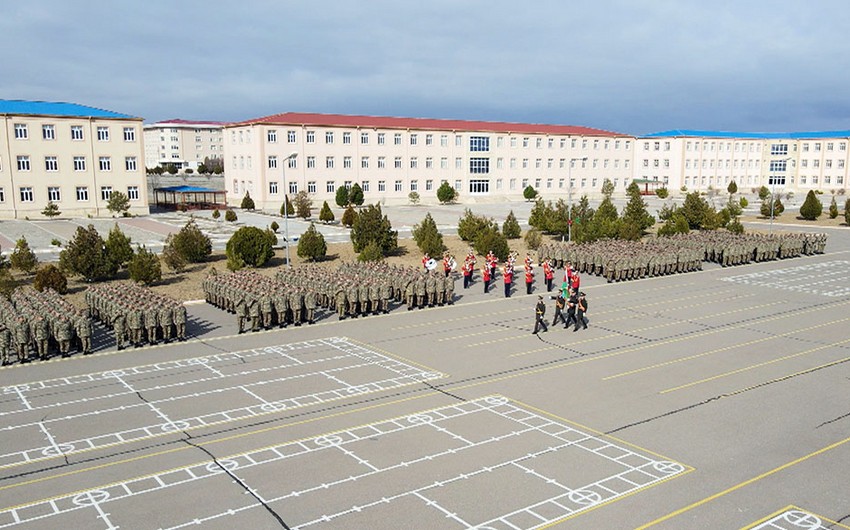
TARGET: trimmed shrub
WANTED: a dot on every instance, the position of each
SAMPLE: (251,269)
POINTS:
(744,202)
(274,227)
(145,267)
(833,208)
(192,244)
(732,188)
(250,245)
(247,202)
(778,207)
(216,214)
(355,195)
(529,193)
(533,239)
(662,193)
(812,208)
(348,217)
(341,197)
(312,244)
(286,209)
(764,193)
(446,194)
(371,225)
(230,216)
(50,277)
(326,215)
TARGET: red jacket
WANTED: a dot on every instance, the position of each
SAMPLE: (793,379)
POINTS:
(509,275)
(529,276)
(548,273)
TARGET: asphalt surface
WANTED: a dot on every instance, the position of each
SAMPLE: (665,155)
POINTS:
(716,399)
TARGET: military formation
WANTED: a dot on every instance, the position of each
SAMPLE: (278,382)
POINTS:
(39,324)
(618,260)
(136,314)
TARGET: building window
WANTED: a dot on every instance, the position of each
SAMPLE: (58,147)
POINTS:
(458,163)
(311,137)
(329,137)
(311,162)
(414,163)
(273,187)
(104,163)
(290,137)
(105,193)
(382,162)
(272,162)
(23,163)
(311,186)
(397,162)
(133,193)
(48,132)
(444,140)
(2,195)
(79,163)
(458,140)
(398,186)
(429,185)
(346,138)
(382,138)
(479,165)
(76,132)
(21,132)
(458,184)
(412,139)
(53,194)
(538,142)
(51,163)
(330,186)
(271,136)
(397,139)
(293,188)
(329,162)
(429,163)
(103,134)
(364,162)
(26,194)
(414,185)
(82,193)
(382,186)
(364,186)
(429,139)
(129,134)
(364,138)
(780,149)
(479,186)
(479,143)
(346,162)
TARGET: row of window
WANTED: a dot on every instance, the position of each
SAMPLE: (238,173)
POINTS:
(476,165)
(48,132)
(54,193)
(742,147)
(476,143)
(51,163)
(778,180)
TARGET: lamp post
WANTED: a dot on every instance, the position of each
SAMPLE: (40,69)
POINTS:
(570,196)
(773,196)
(286,160)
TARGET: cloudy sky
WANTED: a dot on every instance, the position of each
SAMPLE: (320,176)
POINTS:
(628,66)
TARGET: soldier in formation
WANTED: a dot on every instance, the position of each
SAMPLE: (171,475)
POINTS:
(135,313)
(40,322)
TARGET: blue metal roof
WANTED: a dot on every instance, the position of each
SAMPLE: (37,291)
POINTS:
(47,108)
(188,189)
(690,133)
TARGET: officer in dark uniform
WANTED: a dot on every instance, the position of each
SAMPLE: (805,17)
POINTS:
(539,312)
(581,309)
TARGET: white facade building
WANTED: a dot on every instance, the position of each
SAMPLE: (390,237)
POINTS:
(391,157)
(183,143)
(72,155)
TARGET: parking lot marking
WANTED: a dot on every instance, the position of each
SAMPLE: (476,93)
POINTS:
(829,278)
(794,518)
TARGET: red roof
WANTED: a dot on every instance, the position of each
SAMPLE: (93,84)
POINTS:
(191,122)
(383,122)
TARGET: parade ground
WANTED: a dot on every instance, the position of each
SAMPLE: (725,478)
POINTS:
(716,399)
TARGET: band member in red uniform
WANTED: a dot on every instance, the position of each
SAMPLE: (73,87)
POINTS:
(529,279)
(447,264)
(425,259)
(492,261)
(568,273)
(508,274)
(576,282)
(548,274)
(485,274)
(467,274)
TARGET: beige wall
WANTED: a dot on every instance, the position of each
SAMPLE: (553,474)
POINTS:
(66,179)
(184,144)
(515,160)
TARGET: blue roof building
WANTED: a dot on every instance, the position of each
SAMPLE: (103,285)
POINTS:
(21,107)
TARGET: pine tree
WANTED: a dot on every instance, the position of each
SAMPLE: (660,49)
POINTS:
(312,244)
(118,203)
(23,258)
(341,197)
(348,217)
(326,215)
(833,208)
(145,267)
(51,210)
(371,225)
(511,228)
(812,207)
(286,209)
(355,195)
(85,254)
(247,202)
(446,194)
(118,247)
(428,238)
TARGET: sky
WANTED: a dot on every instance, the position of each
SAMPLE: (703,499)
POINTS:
(634,67)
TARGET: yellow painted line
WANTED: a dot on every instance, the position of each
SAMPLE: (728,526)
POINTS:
(753,367)
(718,350)
(743,484)
(478,334)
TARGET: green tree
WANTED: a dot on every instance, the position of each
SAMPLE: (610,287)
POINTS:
(51,210)
(428,238)
(250,245)
(371,252)
(676,224)
(326,215)
(470,224)
(735,227)
(778,207)
(847,211)
(372,225)
(667,211)
(312,244)
(342,197)
(744,202)
(172,257)
(446,194)
(216,214)
(413,197)
(171,169)
(203,169)
(662,193)
(303,204)
(355,195)
(533,238)
(247,202)
(607,188)
(540,216)
(50,277)
(286,209)
(118,203)
(732,188)
(529,193)
(23,258)
(191,243)
(118,247)
(697,211)
(274,227)
(812,208)
(511,228)
(833,208)
(764,193)
(85,255)
(605,223)
(230,216)
(559,217)
(582,216)
(636,218)
(492,239)
(348,217)
(145,267)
